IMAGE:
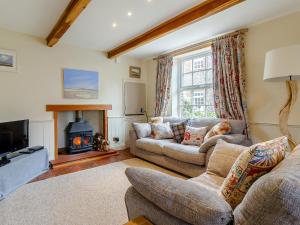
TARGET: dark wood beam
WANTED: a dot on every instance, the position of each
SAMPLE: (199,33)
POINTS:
(198,12)
(70,14)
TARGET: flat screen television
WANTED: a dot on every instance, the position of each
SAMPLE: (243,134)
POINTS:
(13,137)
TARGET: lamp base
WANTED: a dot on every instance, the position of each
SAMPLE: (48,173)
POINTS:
(292,87)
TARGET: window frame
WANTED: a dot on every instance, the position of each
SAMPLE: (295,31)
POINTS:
(192,88)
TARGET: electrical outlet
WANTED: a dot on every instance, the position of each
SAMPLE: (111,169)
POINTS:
(116,139)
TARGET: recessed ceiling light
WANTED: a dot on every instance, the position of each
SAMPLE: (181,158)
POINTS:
(149,0)
(129,14)
(114,25)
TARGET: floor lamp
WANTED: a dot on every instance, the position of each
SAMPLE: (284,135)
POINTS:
(284,64)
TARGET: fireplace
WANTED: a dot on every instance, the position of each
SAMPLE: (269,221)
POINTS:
(79,135)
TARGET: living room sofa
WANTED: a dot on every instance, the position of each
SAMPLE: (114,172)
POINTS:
(274,199)
(186,159)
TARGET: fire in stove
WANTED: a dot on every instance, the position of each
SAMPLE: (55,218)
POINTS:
(79,135)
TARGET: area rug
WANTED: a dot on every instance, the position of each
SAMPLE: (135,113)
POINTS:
(89,197)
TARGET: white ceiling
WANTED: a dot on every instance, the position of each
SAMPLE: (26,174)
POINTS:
(93,29)
(34,17)
(242,15)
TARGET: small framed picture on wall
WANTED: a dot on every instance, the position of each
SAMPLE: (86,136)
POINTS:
(134,72)
(8,60)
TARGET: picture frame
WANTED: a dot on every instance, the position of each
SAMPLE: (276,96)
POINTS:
(8,60)
(135,72)
(80,84)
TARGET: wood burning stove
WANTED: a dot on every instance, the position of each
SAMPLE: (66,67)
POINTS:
(79,135)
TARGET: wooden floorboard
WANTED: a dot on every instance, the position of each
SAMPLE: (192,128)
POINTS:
(66,169)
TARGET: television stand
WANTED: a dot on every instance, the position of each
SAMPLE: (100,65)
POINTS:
(22,169)
(4,160)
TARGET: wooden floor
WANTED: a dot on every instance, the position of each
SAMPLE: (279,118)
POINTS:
(65,169)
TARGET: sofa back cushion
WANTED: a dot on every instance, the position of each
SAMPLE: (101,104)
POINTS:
(237,126)
(274,198)
(173,120)
(223,157)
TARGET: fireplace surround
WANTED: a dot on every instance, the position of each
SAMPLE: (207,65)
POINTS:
(64,108)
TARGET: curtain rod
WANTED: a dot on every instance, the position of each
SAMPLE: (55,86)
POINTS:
(200,45)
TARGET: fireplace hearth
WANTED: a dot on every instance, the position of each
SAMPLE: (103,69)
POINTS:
(79,135)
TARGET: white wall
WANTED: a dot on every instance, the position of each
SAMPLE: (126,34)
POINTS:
(39,81)
(265,98)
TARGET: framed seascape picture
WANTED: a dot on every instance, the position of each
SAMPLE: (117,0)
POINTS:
(81,84)
(8,60)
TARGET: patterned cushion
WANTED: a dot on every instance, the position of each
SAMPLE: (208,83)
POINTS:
(178,131)
(194,136)
(251,165)
(221,128)
(161,131)
(156,120)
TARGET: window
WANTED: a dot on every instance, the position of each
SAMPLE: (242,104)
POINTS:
(195,86)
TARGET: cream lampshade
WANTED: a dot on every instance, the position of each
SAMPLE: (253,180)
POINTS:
(284,64)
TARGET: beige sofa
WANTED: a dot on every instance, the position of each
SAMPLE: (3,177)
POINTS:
(186,159)
(273,199)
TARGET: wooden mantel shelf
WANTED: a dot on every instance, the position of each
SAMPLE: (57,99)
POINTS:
(62,108)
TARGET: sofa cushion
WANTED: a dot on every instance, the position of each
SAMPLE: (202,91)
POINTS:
(210,181)
(156,120)
(184,153)
(219,129)
(223,158)
(152,145)
(194,135)
(173,120)
(237,126)
(274,198)
(161,131)
(178,131)
(253,163)
(230,138)
(185,200)
(142,130)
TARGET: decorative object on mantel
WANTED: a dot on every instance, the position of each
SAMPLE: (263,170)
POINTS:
(100,144)
(283,64)
(8,60)
(135,72)
(81,84)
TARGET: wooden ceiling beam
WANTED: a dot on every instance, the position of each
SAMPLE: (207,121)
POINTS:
(73,10)
(198,12)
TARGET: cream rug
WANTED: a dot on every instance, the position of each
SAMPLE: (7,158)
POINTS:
(89,197)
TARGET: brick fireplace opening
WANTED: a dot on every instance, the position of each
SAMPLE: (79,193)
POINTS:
(79,133)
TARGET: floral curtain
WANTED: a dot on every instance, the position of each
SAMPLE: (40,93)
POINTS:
(163,84)
(229,78)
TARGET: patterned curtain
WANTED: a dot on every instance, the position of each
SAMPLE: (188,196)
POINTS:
(229,78)
(163,84)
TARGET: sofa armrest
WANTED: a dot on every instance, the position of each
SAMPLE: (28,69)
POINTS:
(183,199)
(132,141)
(230,138)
